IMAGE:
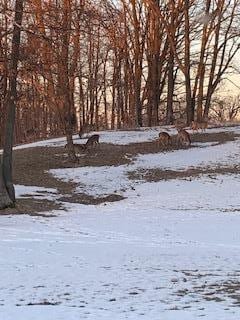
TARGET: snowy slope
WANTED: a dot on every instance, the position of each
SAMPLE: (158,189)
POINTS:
(169,251)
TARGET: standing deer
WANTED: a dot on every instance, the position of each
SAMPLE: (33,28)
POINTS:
(194,126)
(164,139)
(199,125)
(183,138)
(204,125)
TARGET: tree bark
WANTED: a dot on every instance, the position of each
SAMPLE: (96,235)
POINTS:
(7,192)
(189,101)
(201,66)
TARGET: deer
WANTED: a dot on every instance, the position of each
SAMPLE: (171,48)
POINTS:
(199,125)
(92,141)
(204,125)
(164,139)
(77,147)
(85,129)
(194,126)
(183,138)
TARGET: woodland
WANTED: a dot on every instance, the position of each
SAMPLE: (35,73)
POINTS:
(69,65)
(119,159)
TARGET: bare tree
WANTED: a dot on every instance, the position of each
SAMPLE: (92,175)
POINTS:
(116,63)
(7,192)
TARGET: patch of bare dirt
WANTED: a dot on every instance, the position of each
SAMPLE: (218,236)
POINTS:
(154,175)
(33,207)
(87,199)
(208,285)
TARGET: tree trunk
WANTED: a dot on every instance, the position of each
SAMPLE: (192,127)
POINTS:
(64,81)
(7,192)
(189,102)
(201,67)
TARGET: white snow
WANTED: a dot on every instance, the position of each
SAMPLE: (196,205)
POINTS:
(115,137)
(121,137)
(35,192)
(169,250)
(99,181)
(214,155)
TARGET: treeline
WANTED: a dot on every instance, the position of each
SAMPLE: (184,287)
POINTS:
(116,64)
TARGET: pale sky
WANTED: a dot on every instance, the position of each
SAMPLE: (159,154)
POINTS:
(231,87)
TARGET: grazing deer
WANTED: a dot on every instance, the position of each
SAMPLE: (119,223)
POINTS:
(164,139)
(92,141)
(85,129)
(81,132)
(77,147)
(183,138)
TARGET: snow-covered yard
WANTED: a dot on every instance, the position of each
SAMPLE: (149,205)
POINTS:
(169,250)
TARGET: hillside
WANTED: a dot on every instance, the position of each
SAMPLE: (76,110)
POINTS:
(131,231)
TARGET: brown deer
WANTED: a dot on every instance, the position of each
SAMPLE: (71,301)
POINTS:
(204,125)
(85,129)
(194,126)
(199,125)
(164,139)
(77,147)
(92,141)
(183,138)
(81,132)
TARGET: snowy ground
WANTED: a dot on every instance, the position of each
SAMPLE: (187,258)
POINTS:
(169,250)
(122,137)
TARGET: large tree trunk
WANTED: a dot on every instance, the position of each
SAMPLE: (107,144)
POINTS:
(7,192)
(5,200)
(66,102)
